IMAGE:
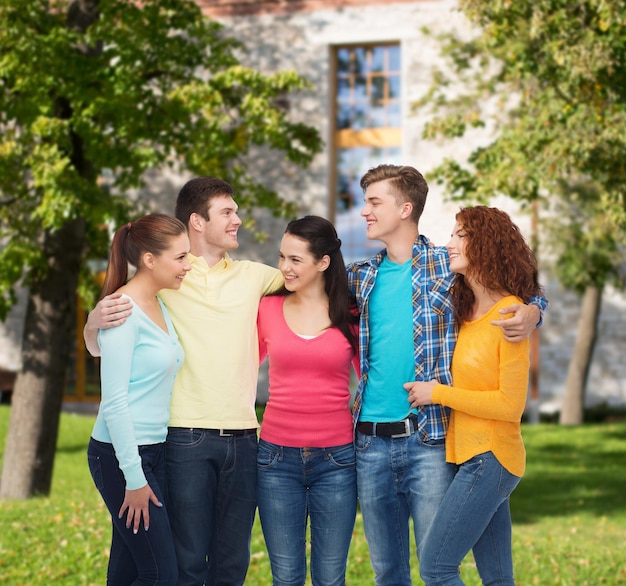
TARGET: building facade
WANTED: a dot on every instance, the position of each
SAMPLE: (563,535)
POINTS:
(368,62)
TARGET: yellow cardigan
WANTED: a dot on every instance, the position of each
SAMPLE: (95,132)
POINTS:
(489,394)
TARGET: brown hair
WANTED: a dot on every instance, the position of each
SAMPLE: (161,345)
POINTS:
(195,195)
(152,233)
(407,183)
(321,238)
(498,256)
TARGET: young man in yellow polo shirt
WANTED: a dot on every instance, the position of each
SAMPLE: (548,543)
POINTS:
(212,439)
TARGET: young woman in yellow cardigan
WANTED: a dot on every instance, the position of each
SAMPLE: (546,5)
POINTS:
(495,267)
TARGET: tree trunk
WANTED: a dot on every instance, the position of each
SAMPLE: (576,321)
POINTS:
(578,371)
(49,328)
(38,393)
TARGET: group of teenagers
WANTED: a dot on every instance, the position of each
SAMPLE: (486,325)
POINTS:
(438,338)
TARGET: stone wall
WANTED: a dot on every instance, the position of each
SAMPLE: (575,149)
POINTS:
(607,376)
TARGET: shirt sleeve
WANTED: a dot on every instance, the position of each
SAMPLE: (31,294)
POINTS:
(542,304)
(351,273)
(263,307)
(117,346)
(505,403)
(273,280)
(356,362)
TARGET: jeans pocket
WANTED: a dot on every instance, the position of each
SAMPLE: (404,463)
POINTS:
(431,443)
(252,440)
(266,455)
(362,442)
(183,437)
(508,482)
(343,456)
(95,467)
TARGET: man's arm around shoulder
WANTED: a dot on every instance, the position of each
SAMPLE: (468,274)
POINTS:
(525,320)
(110,311)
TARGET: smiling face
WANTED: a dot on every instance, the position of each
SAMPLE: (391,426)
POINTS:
(299,267)
(456,250)
(383,212)
(220,231)
(170,267)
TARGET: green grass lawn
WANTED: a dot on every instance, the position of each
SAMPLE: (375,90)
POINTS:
(569,515)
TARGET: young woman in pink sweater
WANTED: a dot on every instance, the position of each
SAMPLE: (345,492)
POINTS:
(495,267)
(306,468)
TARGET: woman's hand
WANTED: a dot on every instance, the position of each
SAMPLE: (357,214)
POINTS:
(420,393)
(137,503)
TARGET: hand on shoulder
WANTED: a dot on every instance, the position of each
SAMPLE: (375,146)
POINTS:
(521,325)
(110,311)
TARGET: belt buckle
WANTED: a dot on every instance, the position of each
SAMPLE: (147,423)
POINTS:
(407,429)
(222,434)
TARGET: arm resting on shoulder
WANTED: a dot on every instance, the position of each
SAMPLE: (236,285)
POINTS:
(526,318)
(109,312)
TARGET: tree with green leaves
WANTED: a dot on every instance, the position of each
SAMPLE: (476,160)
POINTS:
(111,88)
(549,77)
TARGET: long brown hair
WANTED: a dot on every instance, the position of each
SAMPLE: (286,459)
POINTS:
(152,233)
(321,238)
(499,258)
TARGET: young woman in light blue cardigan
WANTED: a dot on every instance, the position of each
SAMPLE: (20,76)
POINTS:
(139,361)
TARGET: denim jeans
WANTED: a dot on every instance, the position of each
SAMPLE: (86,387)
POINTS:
(398,478)
(294,484)
(147,557)
(474,514)
(211,496)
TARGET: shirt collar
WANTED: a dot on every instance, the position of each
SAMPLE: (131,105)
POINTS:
(374,261)
(199,263)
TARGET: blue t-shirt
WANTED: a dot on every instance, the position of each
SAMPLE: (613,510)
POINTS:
(391,347)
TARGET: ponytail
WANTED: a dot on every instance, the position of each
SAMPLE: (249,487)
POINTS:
(151,233)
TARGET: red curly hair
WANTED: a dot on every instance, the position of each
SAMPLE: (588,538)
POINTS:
(499,258)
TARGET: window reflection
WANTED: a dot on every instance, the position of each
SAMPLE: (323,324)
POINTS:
(352,164)
(368,133)
(369,79)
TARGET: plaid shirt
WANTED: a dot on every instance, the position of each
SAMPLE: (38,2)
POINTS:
(434,330)
(434,333)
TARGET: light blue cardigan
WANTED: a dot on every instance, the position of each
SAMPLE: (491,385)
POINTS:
(138,364)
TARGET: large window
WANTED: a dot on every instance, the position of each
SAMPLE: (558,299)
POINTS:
(367,132)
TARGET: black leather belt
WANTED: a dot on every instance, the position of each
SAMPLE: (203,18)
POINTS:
(402,428)
(232,432)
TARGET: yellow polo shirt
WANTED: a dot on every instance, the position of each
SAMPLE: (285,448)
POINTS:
(215,313)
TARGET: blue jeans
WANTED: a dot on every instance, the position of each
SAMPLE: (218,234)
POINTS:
(147,557)
(474,515)
(211,496)
(398,478)
(294,484)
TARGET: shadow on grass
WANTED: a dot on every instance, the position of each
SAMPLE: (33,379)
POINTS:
(572,473)
(73,448)
(74,432)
